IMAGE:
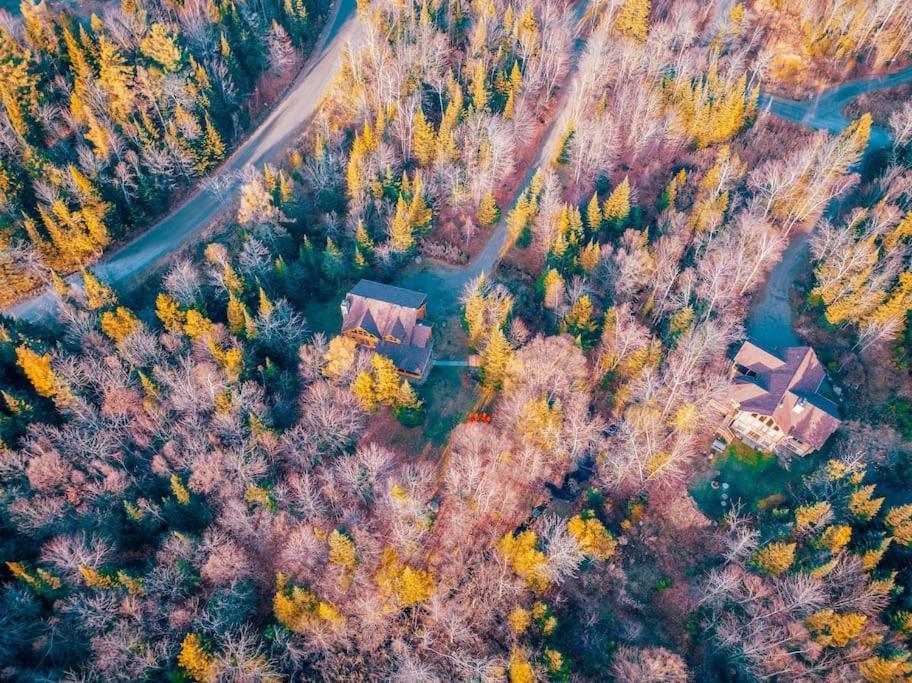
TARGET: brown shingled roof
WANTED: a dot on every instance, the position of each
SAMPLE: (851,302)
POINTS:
(785,389)
(390,312)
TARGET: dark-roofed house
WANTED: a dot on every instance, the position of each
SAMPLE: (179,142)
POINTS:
(389,319)
(775,402)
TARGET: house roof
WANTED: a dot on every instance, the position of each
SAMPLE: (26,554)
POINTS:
(785,388)
(390,312)
(406,357)
(390,294)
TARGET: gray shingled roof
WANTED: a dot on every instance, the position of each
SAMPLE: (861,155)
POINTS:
(405,356)
(391,294)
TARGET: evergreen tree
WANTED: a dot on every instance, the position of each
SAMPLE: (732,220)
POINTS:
(494,359)
(213,149)
(594,213)
(633,19)
(98,294)
(424,141)
(616,208)
(385,379)
(488,212)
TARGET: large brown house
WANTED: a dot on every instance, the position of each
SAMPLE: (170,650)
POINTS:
(775,403)
(389,319)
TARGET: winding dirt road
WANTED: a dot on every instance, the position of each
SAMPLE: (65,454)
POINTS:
(769,322)
(444,284)
(271,138)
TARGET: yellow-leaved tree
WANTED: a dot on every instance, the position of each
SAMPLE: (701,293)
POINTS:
(632,19)
(299,610)
(526,559)
(37,368)
(402,584)
(495,356)
(776,557)
(196,661)
(119,323)
(616,208)
(591,535)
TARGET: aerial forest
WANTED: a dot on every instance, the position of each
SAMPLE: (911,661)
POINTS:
(203,479)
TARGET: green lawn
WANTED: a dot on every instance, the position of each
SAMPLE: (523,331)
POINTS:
(753,477)
(448,396)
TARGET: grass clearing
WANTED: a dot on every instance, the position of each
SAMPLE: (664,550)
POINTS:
(755,478)
(448,396)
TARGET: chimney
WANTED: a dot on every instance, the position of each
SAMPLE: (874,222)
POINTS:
(799,406)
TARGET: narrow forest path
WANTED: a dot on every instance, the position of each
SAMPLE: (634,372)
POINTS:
(769,323)
(271,139)
(444,284)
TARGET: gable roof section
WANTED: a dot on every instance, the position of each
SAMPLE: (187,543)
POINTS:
(774,386)
(370,306)
(390,294)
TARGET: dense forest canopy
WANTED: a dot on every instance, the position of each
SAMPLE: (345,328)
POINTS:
(203,480)
(107,117)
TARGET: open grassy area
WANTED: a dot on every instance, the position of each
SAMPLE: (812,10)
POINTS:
(755,478)
(448,396)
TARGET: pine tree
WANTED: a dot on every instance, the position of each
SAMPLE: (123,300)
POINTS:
(553,285)
(594,213)
(385,379)
(617,207)
(776,557)
(265,306)
(363,389)
(579,319)
(633,19)
(515,79)
(494,359)
(213,149)
(488,212)
(197,663)
(407,398)
(160,47)
(236,315)
(590,255)
(403,585)
(119,323)
(116,78)
(339,357)
(592,536)
(98,294)
(420,214)
(196,324)
(897,304)
(424,140)
(168,311)
(902,230)
(37,369)
(402,237)
(479,88)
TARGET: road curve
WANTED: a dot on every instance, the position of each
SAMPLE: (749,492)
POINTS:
(769,322)
(283,124)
